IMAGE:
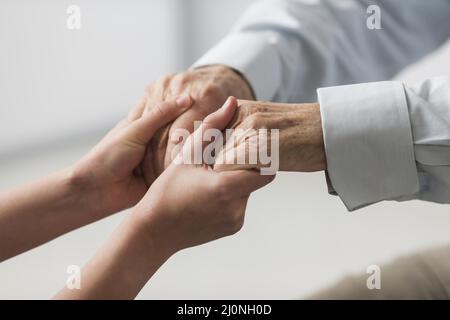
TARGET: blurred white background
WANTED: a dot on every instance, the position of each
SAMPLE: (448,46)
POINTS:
(60,91)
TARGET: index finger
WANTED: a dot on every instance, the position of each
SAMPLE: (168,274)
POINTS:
(143,129)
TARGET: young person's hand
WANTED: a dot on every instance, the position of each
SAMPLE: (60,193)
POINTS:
(192,204)
(187,205)
(110,172)
(103,182)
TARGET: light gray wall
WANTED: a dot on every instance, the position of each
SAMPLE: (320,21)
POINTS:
(209,21)
(57,84)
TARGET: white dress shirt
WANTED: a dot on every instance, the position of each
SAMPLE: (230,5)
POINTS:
(383,140)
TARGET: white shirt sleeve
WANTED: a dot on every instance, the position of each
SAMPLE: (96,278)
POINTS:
(383,140)
(289,48)
(388,141)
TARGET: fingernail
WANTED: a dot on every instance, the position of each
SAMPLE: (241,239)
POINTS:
(228,102)
(184,101)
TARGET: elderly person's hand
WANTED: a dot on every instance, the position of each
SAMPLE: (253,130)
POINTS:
(300,142)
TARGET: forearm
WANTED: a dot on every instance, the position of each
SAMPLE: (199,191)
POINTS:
(43,210)
(103,182)
(123,265)
(301,139)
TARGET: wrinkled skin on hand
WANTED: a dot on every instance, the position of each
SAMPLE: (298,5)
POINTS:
(301,145)
(209,87)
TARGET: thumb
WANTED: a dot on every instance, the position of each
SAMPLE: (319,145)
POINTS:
(216,120)
(222,116)
(142,130)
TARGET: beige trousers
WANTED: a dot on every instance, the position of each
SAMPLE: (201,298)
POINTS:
(425,275)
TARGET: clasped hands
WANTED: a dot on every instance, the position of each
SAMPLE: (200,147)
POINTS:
(176,201)
(183,205)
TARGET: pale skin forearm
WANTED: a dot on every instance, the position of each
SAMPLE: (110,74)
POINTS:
(43,210)
(123,265)
(103,182)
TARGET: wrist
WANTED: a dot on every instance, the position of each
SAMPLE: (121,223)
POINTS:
(233,81)
(308,147)
(151,231)
(84,192)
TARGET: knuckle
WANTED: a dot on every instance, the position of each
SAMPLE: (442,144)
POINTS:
(253,121)
(180,80)
(160,83)
(241,113)
(211,89)
(248,107)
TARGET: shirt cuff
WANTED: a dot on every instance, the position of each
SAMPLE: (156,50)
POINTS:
(254,55)
(368,142)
